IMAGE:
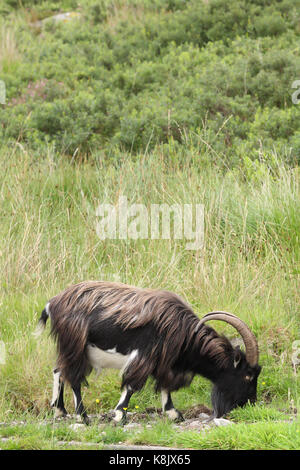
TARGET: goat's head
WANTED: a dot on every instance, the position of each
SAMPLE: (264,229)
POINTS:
(237,384)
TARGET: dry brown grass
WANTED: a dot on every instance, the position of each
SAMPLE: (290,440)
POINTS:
(125,12)
(9,52)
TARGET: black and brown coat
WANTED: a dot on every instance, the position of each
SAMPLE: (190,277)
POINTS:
(146,332)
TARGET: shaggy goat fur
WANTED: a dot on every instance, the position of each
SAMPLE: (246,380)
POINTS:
(169,326)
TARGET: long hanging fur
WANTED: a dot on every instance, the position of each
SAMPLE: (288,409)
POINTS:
(130,308)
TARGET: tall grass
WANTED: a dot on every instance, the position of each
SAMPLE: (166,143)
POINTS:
(248,264)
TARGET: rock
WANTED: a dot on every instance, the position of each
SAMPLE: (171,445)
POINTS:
(132,426)
(221,422)
(64,17)
(203,416)
(194,424)
(76,426)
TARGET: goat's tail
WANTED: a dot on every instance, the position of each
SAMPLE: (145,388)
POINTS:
(41,323)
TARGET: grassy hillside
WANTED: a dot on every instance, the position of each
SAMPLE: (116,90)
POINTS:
(168,102)
(247,266)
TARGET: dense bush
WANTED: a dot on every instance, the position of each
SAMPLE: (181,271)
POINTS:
(136,74)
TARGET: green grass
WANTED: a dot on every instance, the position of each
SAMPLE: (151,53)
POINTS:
(248,265)
(236,437)
(270,432)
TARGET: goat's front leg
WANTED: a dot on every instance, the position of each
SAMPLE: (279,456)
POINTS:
(121,408)
(168,407)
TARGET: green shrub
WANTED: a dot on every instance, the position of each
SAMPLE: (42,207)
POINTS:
(220,70)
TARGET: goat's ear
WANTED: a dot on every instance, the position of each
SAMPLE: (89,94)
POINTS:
(237,356)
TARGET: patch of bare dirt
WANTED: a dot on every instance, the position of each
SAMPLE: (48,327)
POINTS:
(195,411)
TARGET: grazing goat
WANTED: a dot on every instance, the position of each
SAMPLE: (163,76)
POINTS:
(144,333)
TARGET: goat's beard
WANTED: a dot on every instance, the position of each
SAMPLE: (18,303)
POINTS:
(220,404)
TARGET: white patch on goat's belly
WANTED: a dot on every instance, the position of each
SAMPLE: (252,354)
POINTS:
(109,358)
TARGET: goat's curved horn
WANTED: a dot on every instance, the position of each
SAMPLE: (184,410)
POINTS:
(249,339)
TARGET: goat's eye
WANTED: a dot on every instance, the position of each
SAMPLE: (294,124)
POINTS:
(248,378)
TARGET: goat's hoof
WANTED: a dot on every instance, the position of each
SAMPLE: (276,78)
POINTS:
(60,413)
(83,419)
(179,419)
(174,415)
(119,417)
(86,420)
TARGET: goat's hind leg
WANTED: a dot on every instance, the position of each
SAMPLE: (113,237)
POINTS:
(81,414)
(57,401)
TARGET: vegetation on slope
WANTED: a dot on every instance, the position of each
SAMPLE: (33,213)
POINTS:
(162,101)
(133,74)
